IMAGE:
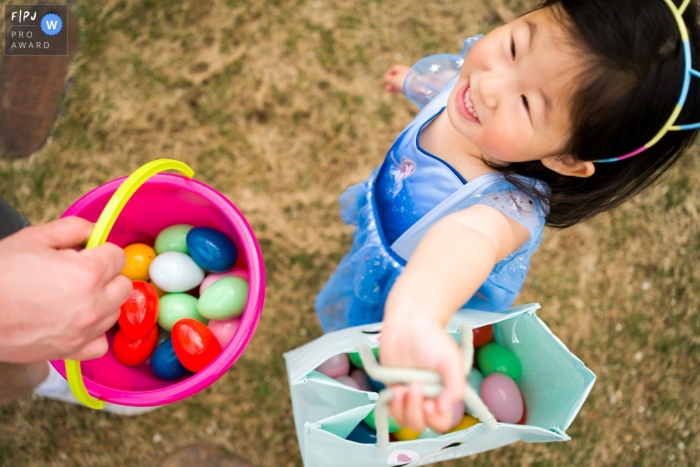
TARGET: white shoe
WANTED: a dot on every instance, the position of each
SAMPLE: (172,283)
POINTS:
(55,387)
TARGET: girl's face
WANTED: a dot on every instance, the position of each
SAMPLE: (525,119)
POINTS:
(514,91)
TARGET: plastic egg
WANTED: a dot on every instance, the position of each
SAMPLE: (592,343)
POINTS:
(176,306)
(224,299)
(211,249)
(375,385)
(466,422)
(211,278)
(457,413)
(165,364)
(502,396)
(348,381)
(224,329)
(337,365)
(494,358)
(140,311)
(176,272)
(173,239)
(393,426)
(406,434)
(361,378)
(357,361)
(523,419)
(363,434)
(139,257)
(194,344)
(483,335)
(134,352)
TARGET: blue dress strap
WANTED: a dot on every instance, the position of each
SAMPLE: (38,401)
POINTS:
(406,244)
(431,74)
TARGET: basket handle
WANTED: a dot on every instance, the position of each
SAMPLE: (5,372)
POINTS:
(431,383)
(99,235)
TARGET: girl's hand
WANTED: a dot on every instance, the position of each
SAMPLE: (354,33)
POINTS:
(393,79)
(422,343)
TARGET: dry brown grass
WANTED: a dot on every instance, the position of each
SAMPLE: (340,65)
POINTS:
(277,104)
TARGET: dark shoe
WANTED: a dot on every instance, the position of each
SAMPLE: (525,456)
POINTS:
(30,90)
(200,455)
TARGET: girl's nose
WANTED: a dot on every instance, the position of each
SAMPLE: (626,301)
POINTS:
(494,86)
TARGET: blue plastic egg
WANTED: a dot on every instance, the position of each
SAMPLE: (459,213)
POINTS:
(211,249)
(376,385)
(165,364)
(364,434)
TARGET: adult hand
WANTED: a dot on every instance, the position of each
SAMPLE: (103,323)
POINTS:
(393,79)
(423,343)
(57,302)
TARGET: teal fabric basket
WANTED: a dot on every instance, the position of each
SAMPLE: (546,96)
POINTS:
(554,383)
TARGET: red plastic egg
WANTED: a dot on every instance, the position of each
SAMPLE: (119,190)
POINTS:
(139,313)
(523,419)
(132,352)
(483,335)
(194,343)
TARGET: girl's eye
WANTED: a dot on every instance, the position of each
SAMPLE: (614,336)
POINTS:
(526,103)
(512,48)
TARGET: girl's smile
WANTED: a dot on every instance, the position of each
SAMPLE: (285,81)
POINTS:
(465,106)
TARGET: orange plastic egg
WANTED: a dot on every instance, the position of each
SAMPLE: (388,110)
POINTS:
(138,259)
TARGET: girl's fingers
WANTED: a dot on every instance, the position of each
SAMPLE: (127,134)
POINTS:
(414,408)
(435,418)
(396,407)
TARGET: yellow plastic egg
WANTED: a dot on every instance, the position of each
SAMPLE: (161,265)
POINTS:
(138,259)
(465,423)
(406,434)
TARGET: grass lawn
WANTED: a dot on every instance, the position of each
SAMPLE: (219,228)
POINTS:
(277,104)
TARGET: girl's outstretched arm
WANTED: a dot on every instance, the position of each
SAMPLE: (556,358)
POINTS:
(452,261)
(394,77)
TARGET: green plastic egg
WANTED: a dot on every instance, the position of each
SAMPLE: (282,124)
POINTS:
(224,299)
(393,426)
(173,239)
(355,357)
(174,307)
(494,358)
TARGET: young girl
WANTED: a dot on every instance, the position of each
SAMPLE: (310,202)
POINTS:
(538,124)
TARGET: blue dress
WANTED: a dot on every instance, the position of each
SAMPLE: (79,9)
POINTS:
(389,209)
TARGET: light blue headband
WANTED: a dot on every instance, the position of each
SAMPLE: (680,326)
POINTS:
(671,123)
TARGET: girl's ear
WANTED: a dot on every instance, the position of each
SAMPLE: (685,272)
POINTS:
(569,166)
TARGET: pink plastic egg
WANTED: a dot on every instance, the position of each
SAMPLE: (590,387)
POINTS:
(457,414)
(338,365)
(348,381)
(224,329)
(502,396)
(211,278)
(361,377)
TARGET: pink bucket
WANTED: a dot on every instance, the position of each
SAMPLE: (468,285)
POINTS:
(164,200)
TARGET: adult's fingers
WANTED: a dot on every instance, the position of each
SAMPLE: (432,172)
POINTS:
(108,258)
(95,349)
(63,233)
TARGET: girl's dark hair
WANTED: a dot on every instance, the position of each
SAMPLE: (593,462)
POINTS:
(633,60)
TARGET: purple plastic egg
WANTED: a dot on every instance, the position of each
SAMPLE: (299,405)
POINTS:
(338,365)
(457,414)
(224,329)
(361,377)
(348,381)
(502,396)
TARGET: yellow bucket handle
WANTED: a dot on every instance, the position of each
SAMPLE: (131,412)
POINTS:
(99,236)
